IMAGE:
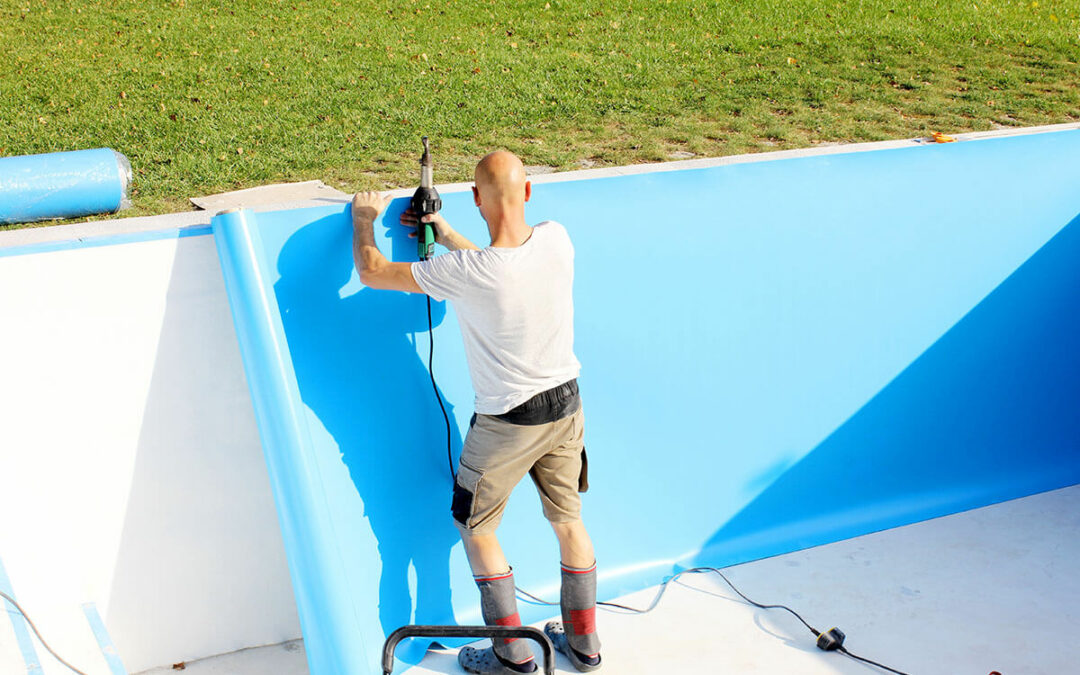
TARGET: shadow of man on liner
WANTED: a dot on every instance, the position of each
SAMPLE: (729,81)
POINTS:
(359,371)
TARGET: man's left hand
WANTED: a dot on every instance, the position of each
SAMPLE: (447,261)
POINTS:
(366,206)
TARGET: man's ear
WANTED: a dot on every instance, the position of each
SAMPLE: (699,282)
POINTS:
(528,190)
(475,196)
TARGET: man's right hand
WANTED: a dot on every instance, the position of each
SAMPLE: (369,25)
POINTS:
(442,228)
(444,234)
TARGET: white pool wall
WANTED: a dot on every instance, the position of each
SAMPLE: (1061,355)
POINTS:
(131,468)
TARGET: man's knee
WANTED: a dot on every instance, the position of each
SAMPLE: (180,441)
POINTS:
(478,541)
(484,553)
(569,528)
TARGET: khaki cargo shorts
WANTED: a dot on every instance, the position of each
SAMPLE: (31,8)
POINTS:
(498,454)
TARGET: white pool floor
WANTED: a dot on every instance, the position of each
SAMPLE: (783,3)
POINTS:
(994,589)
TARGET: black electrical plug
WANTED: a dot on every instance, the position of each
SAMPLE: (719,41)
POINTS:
(831,640)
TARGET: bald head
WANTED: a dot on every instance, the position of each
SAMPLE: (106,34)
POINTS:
(500,178)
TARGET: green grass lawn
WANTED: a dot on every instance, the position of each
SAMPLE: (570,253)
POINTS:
(210,96)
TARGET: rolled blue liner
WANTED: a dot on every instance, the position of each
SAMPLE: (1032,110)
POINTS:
(63,185)
(294,473)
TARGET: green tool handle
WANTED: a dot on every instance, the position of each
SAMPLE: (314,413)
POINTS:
(425,241)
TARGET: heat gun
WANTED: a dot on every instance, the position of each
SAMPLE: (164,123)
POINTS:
(425,201)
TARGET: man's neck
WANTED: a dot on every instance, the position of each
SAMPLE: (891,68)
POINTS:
(509,231)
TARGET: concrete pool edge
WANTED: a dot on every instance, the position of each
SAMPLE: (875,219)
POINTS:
(192,223)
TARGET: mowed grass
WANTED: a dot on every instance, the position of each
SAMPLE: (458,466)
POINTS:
(211,96)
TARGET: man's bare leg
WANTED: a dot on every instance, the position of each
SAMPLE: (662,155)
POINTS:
(575,546)
(485,555)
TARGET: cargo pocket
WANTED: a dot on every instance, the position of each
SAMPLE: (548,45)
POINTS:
(464,502)
(583,478)
(579,434)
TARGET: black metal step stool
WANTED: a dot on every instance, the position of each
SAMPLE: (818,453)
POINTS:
(527,632)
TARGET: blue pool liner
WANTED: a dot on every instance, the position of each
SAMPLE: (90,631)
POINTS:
(775,355)
(63,185)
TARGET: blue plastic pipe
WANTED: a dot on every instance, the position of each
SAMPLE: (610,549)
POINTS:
(63,185)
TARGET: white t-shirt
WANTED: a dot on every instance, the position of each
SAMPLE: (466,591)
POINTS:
(516,312)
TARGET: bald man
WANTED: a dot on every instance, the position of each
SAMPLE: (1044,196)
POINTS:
(514,304)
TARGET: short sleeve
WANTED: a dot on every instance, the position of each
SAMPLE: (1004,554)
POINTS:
(561,234)
(567,242)
(442,277)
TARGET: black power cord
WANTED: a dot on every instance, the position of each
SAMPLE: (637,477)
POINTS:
(830,640)
(44,644)
(435,388)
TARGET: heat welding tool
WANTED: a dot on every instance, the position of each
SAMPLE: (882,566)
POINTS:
(425,201)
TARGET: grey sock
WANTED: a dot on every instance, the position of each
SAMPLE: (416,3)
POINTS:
(498,602)
(578,603)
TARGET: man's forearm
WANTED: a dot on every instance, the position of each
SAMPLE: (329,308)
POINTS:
(454,241)
(366,254)
(375,270)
